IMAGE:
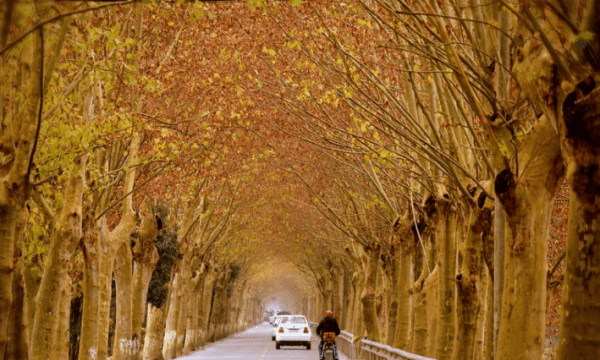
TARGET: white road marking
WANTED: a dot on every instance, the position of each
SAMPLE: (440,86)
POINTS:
(262,356)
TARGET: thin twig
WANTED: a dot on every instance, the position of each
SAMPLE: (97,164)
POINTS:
(40,108)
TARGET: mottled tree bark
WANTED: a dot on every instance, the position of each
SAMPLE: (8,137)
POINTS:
(160,295)
(352,306)
(527,201)
(145,257)
(391,294)
(580,320)
(18,335)
(184,295)
(204,319)
(468,287)
(488,347)
(404,288)
(423,300)
(191,321)
(419,314)
(432,294)
(336,300)
(201,309)
(88,345)
(367,298)
(14,175)
(405,280)
(64,240)
(218,315)
(106,265)
(346,300)
(60,348)
(123,340)
(445,218)
(170,338)
(155,331)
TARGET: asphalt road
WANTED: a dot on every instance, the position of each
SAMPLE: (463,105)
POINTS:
(254,344)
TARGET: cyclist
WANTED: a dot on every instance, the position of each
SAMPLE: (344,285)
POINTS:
(328,324)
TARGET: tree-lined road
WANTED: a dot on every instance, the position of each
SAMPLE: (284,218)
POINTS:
(172,171)
(254,344)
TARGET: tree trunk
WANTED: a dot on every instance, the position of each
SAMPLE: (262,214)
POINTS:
(346,300)
(155,332)
(391,274)
(432,294)
(191,321)
(201,310)
(60,348)
(446,236)
(88,345)
(218,316)
(367,298)
(350,325)
(32,284)
(359,326)
(106,271)
(327,292)
(160,293)
(580,319)
(469,282)
(64,240)
(420,326)
(405,308)
(488,347)
(204,318)
(170,339)
(528,203)
(14,183)
(239,319)
(145,259)
(18,336)
(123,340)
(336,296)
(498,269)
(182,314)
(424,294)
(481,326)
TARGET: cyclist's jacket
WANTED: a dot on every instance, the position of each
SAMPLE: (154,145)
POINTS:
(328,324)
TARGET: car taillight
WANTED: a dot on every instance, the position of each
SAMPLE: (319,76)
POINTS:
(280,329)
(306,330)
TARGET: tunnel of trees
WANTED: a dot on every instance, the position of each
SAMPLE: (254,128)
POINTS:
(428,169)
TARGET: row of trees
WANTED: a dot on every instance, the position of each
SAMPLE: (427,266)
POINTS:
(452,125)
(100,201)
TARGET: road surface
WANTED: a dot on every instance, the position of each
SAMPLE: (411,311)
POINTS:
(254,344)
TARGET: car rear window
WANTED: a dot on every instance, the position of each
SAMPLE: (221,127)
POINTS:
(298,320)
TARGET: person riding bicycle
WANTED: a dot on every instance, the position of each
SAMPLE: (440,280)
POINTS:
(328,324)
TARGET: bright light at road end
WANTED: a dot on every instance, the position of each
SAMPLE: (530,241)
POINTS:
(283,300)
(279,285)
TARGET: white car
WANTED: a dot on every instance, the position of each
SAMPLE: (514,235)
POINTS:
(293,330)
(276,324)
